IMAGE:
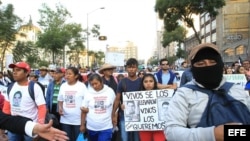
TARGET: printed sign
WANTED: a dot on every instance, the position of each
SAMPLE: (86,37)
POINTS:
(239,79)
(116,59)
(146,110)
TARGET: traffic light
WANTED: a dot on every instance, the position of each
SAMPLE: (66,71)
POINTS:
(102,38)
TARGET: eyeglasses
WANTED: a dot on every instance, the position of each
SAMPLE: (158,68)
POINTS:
(164,64)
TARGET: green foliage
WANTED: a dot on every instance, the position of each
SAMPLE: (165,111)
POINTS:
(172,59)
(153,61)
(95,31)
(181,53)
(43,63)
(26,51)
(173,12)
(177,35)
(57,33)
(8,23)
(98,58)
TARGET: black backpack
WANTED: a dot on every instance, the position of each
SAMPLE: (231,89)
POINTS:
(221,107)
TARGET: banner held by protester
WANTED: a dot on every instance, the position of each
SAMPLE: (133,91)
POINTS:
(146,110)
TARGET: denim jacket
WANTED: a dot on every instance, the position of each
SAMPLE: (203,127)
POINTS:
(50,93)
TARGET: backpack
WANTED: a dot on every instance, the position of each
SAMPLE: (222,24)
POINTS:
(31,85)
(30,89)
(221,107)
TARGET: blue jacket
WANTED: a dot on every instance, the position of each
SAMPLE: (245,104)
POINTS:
(50,93)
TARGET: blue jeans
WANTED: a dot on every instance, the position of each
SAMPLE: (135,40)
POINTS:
(128,136)
(103,135)
(71,130)
(18,137)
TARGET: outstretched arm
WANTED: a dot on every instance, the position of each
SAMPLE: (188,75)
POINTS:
(14,124)
(50,133)
(22,125)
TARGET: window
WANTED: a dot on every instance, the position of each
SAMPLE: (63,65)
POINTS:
(208,39)
(229,52)
(207,17)
(240,50)
(202,20)
(202,31)
(214,37)
(213,24)
(208,29)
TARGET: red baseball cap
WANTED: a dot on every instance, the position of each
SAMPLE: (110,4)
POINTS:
(22,65)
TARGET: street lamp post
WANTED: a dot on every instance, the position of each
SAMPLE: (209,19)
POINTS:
(87,37)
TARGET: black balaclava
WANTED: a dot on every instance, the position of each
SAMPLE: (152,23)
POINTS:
(209,76)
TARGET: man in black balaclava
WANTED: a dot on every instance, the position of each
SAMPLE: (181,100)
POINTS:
(204,104)
(207,65)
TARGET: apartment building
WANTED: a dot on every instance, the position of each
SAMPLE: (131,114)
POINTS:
(130,49)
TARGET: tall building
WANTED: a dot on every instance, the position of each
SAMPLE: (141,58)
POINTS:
(130,50)
(229,30)
(28,32)
(233,30)
(160,51)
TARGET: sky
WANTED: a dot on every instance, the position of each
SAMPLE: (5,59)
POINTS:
(120,21)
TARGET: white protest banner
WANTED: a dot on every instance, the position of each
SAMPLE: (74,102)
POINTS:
(146,110)
(116,59)
(239,79)
(9,60)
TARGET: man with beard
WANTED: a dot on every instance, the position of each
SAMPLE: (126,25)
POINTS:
(165,77)
(187,107)
(127,84)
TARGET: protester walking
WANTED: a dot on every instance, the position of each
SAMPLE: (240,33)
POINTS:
(97,107)
(70,98)
(127,84)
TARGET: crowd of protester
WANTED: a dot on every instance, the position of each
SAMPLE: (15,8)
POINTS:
(91,101)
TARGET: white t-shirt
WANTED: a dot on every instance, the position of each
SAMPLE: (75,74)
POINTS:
(22,104)
(100,106)
(72,96)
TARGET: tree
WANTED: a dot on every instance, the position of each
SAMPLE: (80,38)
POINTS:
(56,32)
(76,45)
(177,35)
(181,53)
(171,59)
(26,51)
(8,22)
(97,58)
(153,61)
(173,12)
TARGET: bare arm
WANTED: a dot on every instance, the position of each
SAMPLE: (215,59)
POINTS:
(50,133)
(83,120)
(60,106)
(115,108)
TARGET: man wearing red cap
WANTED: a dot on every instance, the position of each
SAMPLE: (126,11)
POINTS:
(18,102)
